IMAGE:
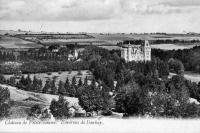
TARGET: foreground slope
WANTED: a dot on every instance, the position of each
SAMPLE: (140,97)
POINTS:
(24,100)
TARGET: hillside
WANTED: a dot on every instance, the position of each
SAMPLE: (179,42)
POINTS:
(23,100)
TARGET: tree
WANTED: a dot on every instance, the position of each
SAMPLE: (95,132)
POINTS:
(12,81)
(2,79)
(67,86)
(73,88)
(92,98)
(87,99)
(35,110)
(47,87)
(60,108)
(22,82)
(74,82)
(61,88)
(129,99)
(80,83)
(4,102)
(53,87)
(176,66)
(29,86)
(163,69)
(85,81)
(40,85)
(37,84)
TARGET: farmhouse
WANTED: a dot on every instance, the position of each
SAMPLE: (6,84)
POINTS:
(135,52)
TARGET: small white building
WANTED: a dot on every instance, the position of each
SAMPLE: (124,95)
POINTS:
(73,56)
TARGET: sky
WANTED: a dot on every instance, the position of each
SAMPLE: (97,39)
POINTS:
(101,16)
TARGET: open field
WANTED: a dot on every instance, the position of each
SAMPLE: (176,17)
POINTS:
(13,42)
(194,77)
(62,76)
(86,41)
(172,46)
(107,41)
(119,37)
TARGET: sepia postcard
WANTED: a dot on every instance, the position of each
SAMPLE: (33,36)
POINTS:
(100,66)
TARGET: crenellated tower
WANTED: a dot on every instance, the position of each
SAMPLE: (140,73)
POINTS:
(147,51)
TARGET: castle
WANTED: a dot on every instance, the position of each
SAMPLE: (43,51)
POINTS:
(136,53)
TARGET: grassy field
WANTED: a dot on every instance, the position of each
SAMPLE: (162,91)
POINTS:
(111,37)
(62,76)
(12,42)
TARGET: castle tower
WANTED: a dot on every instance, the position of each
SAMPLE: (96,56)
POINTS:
(147,51)
(124,53)
(129,52)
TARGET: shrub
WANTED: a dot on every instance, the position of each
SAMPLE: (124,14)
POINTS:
(35,110)
(49,73)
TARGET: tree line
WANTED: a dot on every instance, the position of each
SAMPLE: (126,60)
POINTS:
(189,57)
(7,56)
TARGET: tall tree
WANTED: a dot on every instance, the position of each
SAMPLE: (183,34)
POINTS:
(61,88)
(4,102)
(47,87)
(67,86)
(85,81)
(53,87)
(80,83)
(60,108)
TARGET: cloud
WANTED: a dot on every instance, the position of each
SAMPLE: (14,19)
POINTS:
(181,3)
(86,10)
(56,10)
(150,7)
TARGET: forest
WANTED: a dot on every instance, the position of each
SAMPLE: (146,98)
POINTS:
(189,57)
(142,88)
